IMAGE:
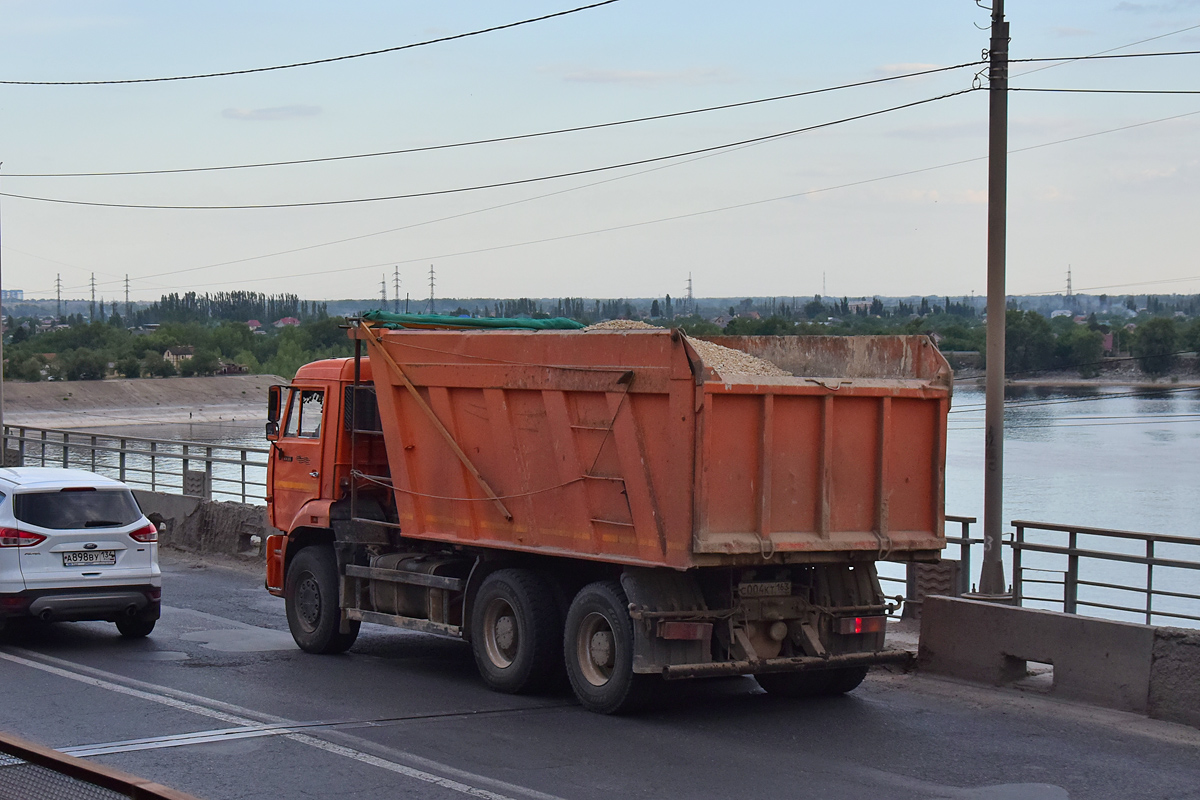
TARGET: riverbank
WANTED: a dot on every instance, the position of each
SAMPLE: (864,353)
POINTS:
(138,401)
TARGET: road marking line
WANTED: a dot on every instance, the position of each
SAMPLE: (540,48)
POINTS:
(172,698)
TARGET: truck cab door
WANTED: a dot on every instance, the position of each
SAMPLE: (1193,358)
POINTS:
(297,454)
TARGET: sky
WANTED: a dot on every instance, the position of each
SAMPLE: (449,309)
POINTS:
(893,203)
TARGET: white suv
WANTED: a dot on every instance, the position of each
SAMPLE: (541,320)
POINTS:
(75,546)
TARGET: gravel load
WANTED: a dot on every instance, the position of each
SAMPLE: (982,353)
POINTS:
(723,360)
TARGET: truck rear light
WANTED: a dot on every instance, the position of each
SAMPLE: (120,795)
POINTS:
(853,625)
(13,537)
(688,631)
(146,533)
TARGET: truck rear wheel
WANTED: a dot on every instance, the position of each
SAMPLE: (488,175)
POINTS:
(821,683)
(598,647)
(311,599)
(516,632)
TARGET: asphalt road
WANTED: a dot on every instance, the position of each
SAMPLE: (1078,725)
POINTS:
(220,703)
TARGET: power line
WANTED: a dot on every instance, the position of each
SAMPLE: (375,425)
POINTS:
(314,61)
(1109,91)
(613,228)
(1106,57)
(1110,50)
(497,139)
(500,184)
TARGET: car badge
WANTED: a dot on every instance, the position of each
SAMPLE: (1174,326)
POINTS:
(90,546)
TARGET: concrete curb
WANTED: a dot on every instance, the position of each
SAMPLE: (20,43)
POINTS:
(1130,667)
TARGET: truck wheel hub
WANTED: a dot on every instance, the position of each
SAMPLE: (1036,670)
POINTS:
(308,601)
(500,634)
(595,649)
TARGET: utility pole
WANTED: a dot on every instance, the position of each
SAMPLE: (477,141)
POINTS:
(992,584)
(396,286)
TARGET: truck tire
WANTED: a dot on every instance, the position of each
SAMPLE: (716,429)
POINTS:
(516,632)
(821,683)
(311,598)
(598,650)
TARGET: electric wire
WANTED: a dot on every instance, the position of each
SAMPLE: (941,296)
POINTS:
(1104,57)
(1106,91)
(497,139)
(313,62)
(641,223)
(1109,50)
(498,184)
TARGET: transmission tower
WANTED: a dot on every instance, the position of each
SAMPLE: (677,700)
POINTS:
(431,282)
(1070,293)
(92,308)
(383,292)
(691,299)
(396,287)
(128,308)
(58,296)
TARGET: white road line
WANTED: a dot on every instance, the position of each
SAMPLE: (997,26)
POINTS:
(205,707)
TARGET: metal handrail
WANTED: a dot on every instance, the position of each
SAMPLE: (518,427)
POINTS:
(1071,602)
(231,471)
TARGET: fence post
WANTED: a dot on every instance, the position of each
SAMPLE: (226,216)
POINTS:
(208,473)
(964,558)
(66,450)
(243,468)
(44,448)
(1071,579)
(122,460)
(21,446)
(93,454)
(1019,540)
(153,471)
(1149,581)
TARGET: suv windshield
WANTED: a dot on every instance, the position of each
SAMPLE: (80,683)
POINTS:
(89,508)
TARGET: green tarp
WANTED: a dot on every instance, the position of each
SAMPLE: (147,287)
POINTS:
(389,320)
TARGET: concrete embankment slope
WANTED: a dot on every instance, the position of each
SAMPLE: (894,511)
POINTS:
(90,404)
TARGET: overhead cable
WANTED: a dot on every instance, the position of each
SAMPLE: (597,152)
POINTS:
(494,140)
(499,184)
(314,61)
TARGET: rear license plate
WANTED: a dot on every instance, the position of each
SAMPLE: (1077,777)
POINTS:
(89,558)
(765,589)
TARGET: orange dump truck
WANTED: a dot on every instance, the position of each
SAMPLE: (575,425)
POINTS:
(606,503)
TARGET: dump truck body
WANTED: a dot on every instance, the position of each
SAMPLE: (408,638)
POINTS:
(733,521)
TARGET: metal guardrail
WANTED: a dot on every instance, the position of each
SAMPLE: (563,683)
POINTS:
(1159,570)
(200,469)
(1169,565)
(33,772)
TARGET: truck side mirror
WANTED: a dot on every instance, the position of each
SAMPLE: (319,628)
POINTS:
(272,431)
(273,395)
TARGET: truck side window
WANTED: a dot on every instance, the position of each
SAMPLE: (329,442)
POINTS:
(305,419)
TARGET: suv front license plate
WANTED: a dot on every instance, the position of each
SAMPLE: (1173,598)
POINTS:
(89,558)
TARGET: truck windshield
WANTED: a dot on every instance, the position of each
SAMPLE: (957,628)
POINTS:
(104,508)
(304,414)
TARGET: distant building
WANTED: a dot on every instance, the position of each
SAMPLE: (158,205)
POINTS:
(253,324)
(177,355)
(281,323)
(12,294)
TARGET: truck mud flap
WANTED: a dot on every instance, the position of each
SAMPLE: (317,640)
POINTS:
(799,664)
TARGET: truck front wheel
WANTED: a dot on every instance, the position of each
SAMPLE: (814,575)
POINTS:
(820,683)
(598,650)
(516,632)
(311,599)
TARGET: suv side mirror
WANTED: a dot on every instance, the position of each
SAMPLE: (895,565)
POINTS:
(272,431)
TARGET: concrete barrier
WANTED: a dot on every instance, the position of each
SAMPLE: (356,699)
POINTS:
(206,526)
(1099,661)
(1175,676)
(1123,665)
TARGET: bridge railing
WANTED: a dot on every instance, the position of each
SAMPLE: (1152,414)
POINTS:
(200,469)
(1150,576)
